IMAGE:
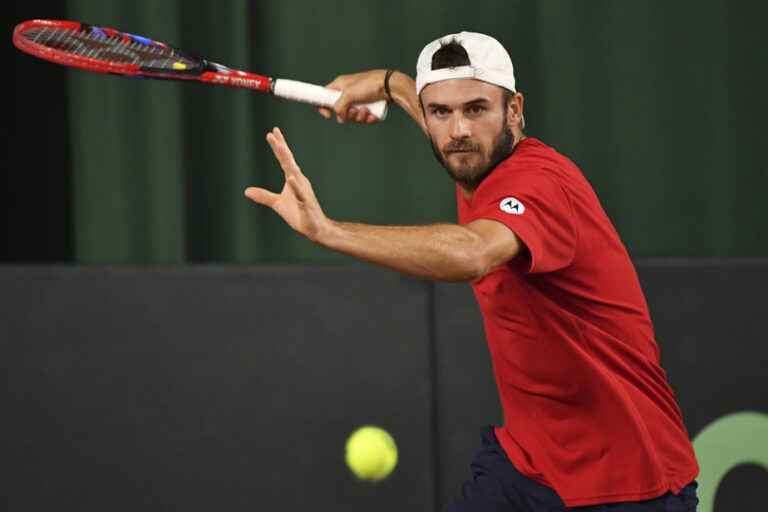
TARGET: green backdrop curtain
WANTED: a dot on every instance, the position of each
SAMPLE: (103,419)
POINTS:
(661,104)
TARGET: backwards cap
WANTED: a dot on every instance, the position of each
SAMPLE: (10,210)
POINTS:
(488,61)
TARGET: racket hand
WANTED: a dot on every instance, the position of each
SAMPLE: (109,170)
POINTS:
(356,89)
(358,115)
(297,203)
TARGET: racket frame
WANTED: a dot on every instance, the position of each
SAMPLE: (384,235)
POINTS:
(205,71)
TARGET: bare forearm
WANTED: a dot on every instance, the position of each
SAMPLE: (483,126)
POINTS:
(403,89)
(442,252)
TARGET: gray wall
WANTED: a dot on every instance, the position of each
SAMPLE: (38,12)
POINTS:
(210,389)
(234,389)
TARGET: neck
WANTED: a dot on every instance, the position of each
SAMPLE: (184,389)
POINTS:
(518,137)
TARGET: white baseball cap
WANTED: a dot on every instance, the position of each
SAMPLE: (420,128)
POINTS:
(488,61)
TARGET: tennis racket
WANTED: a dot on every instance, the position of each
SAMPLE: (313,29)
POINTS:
(106,50)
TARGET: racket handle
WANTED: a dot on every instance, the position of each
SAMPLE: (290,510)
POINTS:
(320,96)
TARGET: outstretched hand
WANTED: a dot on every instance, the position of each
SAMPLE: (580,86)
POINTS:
(296,203)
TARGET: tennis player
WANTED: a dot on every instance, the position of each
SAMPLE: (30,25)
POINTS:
(589,417)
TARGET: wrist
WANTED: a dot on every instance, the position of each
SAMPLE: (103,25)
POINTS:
(387,85)
(327,233)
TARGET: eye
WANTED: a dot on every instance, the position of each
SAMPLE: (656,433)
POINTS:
(440,111)
(476,109)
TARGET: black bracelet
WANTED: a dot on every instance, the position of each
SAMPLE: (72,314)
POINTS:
(386,84)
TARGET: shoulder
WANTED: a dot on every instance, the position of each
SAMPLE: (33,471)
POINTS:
(531,165)
(535,161)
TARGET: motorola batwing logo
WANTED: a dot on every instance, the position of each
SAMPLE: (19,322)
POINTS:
(512,205)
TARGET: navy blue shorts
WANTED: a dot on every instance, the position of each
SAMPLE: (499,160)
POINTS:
(496,486)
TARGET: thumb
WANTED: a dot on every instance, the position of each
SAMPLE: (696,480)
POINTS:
(337,84)
(344,103)
(261,196)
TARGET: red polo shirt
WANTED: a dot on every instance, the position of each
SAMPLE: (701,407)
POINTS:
(587,407)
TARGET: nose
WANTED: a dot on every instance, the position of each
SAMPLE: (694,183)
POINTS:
(460,129)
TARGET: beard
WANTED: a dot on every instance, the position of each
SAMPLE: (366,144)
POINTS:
(469,175)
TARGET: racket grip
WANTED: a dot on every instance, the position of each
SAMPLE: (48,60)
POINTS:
(320,96)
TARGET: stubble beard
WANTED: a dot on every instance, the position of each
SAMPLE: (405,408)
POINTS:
(471,176)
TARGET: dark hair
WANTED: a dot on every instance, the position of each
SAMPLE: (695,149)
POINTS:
(450,55)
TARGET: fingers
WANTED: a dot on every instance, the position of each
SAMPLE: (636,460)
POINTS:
(348,105)
(325,112)
(293,182)
(356,90)
(358,114)
(261,196)
(338,85)
(283,153)
(361,114)
(342,106)
(293,176)
(351,108)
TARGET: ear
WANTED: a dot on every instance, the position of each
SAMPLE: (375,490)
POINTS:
(515,110)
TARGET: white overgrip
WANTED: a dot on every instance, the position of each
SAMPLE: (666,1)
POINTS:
(320,96)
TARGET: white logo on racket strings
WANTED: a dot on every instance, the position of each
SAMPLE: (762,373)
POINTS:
(512,205)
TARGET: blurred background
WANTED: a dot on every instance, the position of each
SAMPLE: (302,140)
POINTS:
(169,344)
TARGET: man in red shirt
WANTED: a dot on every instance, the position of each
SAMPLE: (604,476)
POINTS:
(589,418)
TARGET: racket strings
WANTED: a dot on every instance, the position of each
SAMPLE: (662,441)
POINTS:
(117,48)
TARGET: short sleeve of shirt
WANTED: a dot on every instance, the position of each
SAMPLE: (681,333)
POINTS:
(536,207)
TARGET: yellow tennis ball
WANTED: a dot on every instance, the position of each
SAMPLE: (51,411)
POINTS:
(371,453)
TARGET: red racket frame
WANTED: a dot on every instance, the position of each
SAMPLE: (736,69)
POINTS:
(206,72)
